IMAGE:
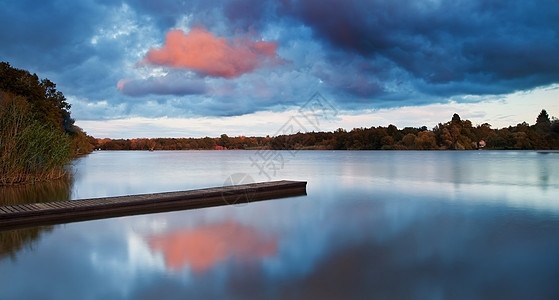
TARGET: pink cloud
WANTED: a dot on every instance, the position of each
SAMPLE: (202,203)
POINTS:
(201,51)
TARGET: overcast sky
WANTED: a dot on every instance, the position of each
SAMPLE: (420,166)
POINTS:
(245,67)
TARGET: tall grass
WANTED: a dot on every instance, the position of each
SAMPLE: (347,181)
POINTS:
(29,151)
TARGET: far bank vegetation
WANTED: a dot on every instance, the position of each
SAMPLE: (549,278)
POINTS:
(456,134)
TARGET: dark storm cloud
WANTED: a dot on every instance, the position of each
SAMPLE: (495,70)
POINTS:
(246,14)
(497,43)
(236,14)
(355,78)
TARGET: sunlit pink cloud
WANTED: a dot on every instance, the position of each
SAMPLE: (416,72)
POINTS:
(201,51)
(204,247)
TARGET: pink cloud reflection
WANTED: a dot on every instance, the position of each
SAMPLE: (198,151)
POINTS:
(204,247)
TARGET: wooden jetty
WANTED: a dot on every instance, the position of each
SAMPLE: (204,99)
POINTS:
(49,213)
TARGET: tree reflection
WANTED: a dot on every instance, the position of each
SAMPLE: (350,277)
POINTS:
(14,241)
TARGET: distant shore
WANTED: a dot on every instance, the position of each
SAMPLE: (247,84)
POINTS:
(456,134)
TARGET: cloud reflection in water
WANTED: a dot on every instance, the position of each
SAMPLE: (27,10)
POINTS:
(203,247)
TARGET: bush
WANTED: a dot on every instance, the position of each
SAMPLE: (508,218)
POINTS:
(29,151)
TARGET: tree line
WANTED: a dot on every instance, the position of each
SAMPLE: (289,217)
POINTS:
(37,134)
(456,134)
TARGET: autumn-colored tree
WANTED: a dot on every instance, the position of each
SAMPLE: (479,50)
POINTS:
(425,140)
(408,141)
(48,106)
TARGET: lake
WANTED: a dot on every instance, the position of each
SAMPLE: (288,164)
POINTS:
(374,224)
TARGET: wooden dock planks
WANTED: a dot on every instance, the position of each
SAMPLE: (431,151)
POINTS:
(49,213)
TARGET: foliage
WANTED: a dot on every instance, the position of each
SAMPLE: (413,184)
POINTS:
(29,151)
(37,134)
(457,134)
(48,104)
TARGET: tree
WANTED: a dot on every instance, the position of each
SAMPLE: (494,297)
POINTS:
(455,118)
(543,118)
(224,141)
(543,124)
(48,106)
(387,142)
(425,140)
(409,141)
(555,125)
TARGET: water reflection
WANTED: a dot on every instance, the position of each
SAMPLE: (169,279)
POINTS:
(116,173)
(14,241)
(544,171)
(404,225)
(56,190)
(205,246)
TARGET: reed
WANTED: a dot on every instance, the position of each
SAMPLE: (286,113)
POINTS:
(29,151)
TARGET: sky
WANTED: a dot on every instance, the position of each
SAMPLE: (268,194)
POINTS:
(250,67)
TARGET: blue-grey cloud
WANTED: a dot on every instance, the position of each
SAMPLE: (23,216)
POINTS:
(170,84)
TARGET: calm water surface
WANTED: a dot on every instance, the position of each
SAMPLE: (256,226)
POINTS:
(388,225)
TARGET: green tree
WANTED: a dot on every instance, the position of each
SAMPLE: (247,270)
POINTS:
(48,104)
